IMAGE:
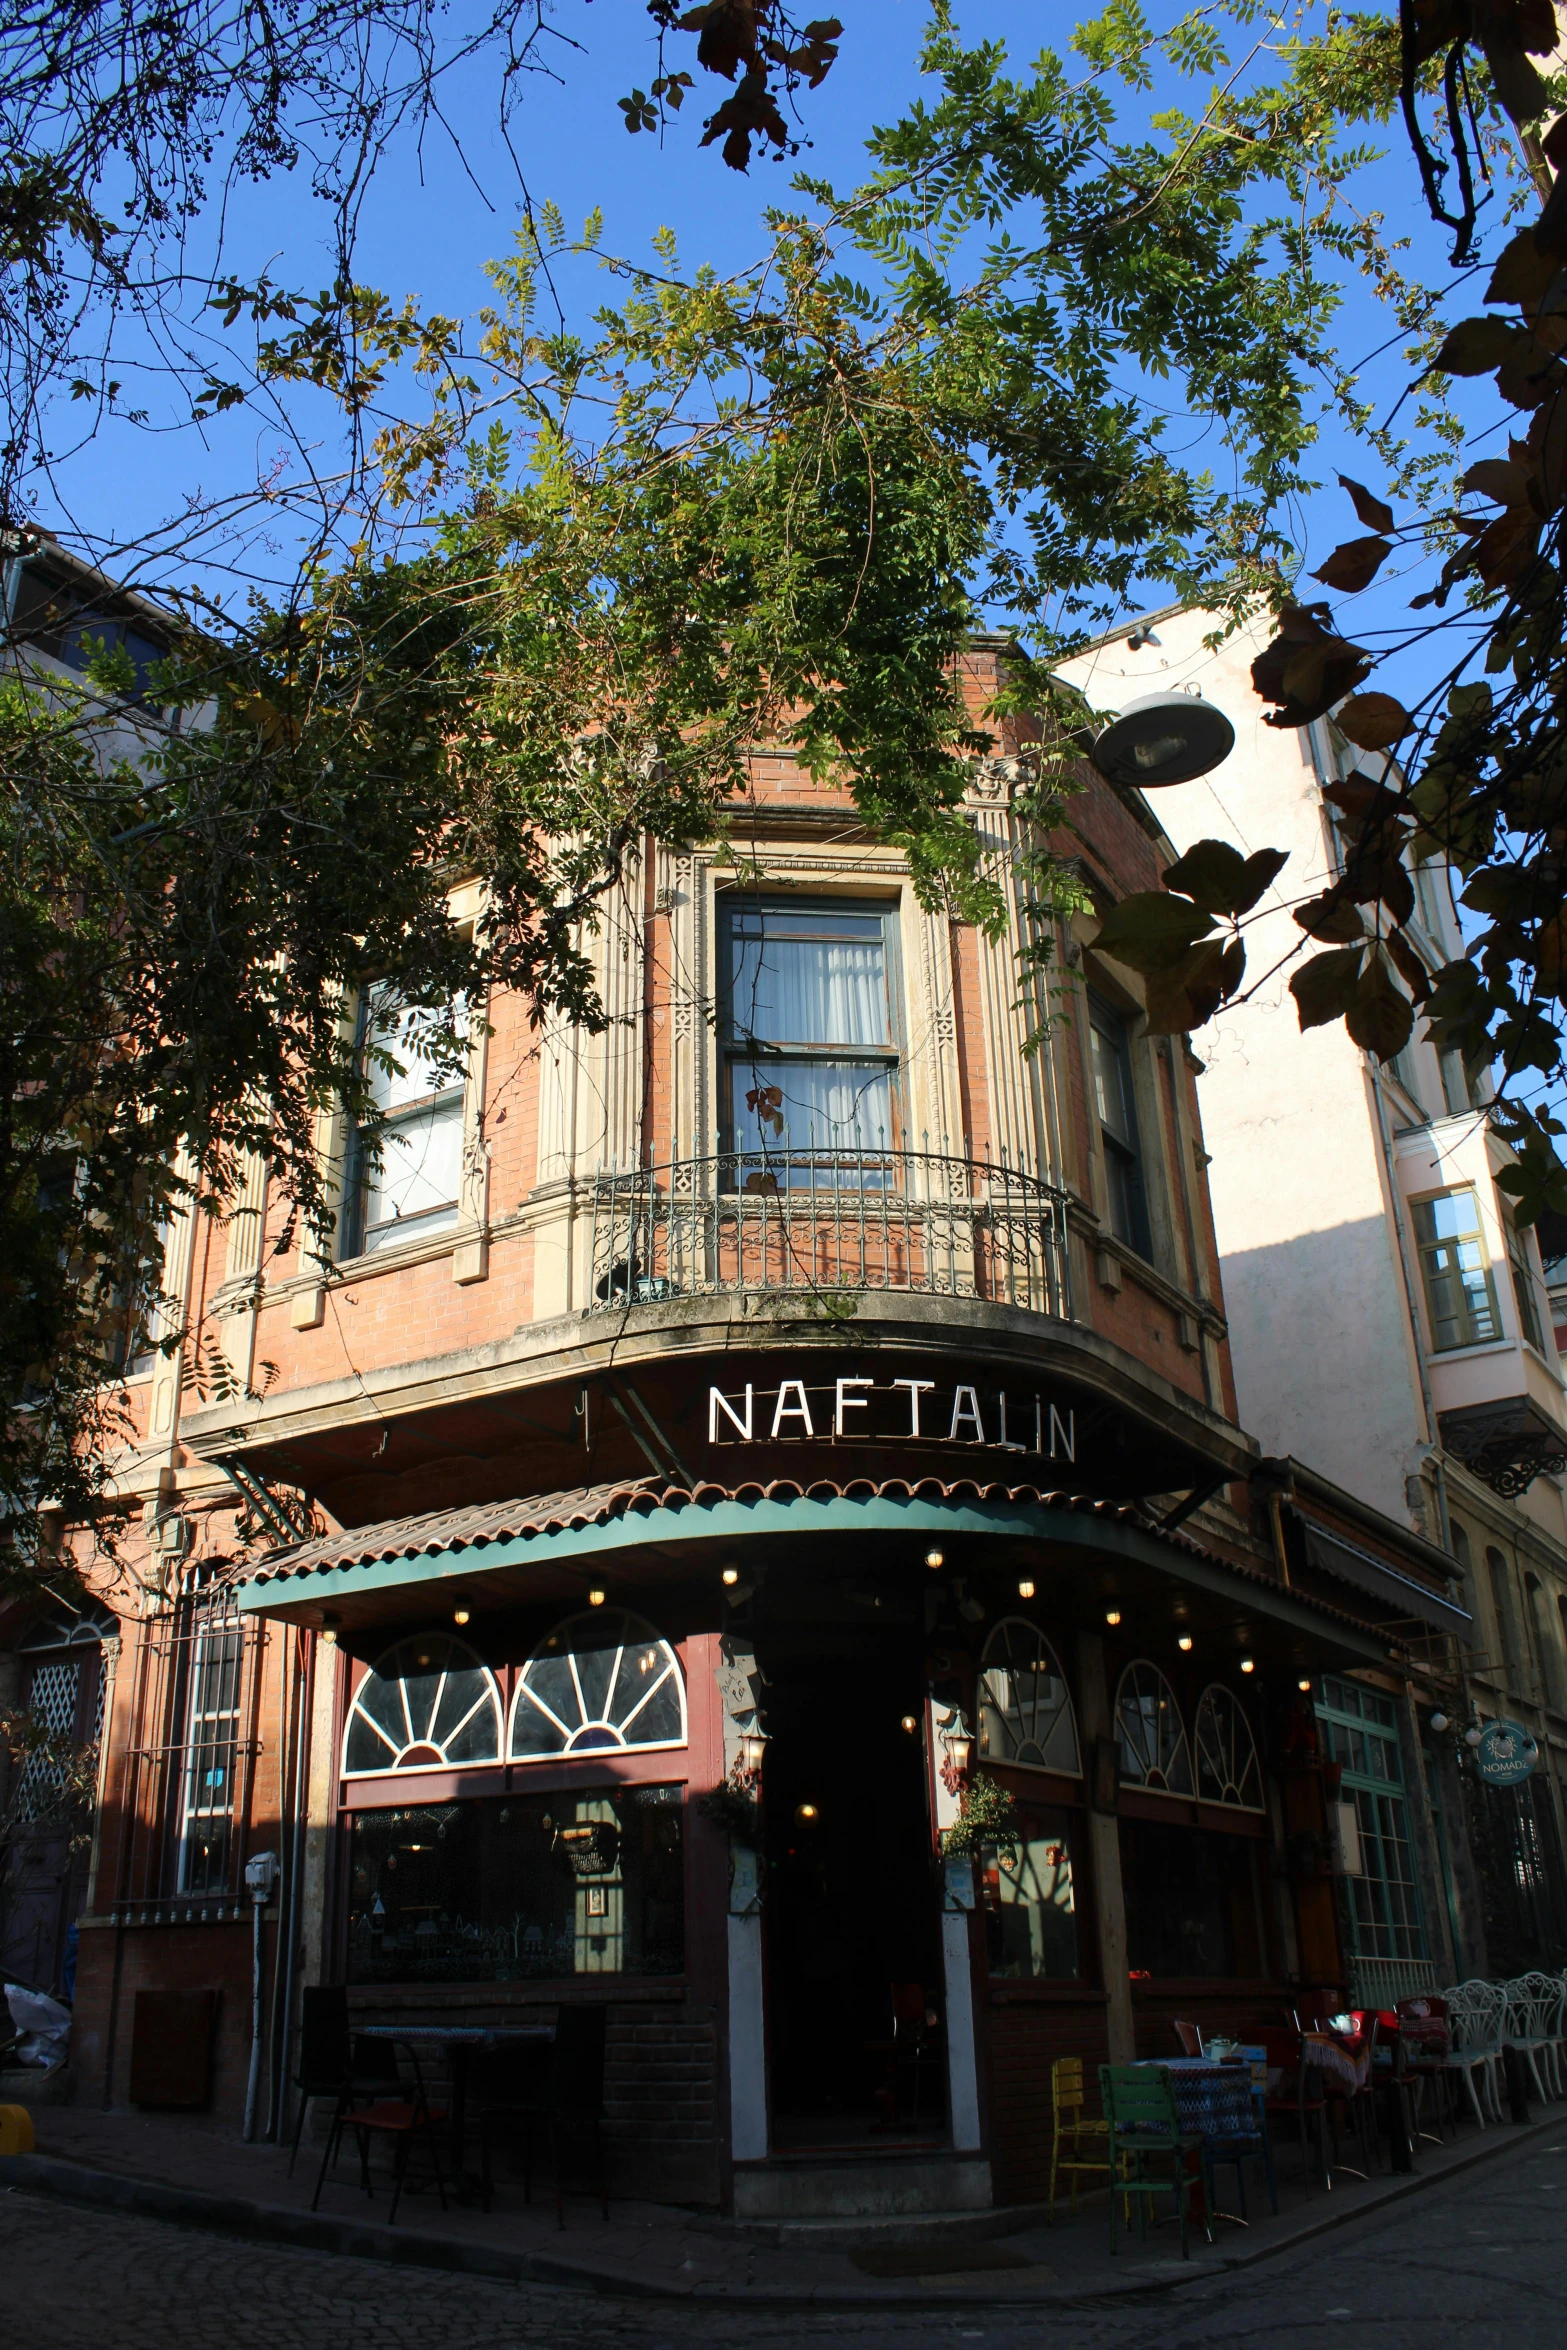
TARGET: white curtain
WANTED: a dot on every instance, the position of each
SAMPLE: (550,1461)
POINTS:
(793,985)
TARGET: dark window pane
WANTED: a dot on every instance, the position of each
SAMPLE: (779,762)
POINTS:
(505,1889)
(1192,1902)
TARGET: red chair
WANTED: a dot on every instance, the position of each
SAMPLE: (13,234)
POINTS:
(1298,2095)
(400,2119)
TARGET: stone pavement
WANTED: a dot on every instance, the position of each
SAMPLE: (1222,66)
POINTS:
(166,2168)
(1473,2262)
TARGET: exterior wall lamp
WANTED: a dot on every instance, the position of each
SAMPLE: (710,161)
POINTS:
(1163,738)
(957,1750)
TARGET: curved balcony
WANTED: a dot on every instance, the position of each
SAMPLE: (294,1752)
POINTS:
(830,1223)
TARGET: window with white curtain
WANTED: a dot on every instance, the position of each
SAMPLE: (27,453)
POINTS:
(810,1034)
(409,1183)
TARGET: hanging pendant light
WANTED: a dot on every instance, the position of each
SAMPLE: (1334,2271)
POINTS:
(1163,738)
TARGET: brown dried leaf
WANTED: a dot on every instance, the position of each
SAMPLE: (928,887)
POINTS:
(1476,345)
(1324,988)
(1523,274)
(1308,666)
(1499,478)
(1332,917)
(1409,966)
(1375,722)
(1504,552)
(1381,1016)
(1355,564)
(1373,512)
(1530,372)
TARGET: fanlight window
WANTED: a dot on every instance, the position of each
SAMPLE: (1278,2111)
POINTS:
(1025,1708)
(604,1680)
(1227,1769)
(427,1705)
(1154,1752)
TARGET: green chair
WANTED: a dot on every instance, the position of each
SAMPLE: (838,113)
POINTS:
(1150,2146)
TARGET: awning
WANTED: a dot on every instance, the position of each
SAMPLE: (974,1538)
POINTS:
(517,1550)
(1341,1559)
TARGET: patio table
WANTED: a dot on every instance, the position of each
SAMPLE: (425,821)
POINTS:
(1213,2099)
(460,2041)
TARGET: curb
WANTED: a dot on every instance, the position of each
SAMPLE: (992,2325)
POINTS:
(233,2215)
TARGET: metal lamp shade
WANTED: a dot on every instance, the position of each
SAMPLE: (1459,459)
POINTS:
(1164,738)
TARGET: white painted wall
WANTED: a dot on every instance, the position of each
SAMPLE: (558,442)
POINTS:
(1313,1288)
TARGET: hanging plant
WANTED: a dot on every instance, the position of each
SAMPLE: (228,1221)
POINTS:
(987,1815)
(737,1813)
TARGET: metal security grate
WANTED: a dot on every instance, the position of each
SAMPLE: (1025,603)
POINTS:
(51,1701)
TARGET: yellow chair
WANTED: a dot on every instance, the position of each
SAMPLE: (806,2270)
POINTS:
(1071,2128)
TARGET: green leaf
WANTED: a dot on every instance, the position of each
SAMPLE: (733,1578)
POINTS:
(1324,988)
(1151,930)
(1381,1016)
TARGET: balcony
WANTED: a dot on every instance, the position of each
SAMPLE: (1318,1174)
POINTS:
(829,1223)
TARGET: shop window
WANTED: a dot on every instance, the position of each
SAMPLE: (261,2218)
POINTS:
(1193,1902)
(427,1705)
(604,1680)
(1360,1731)
(810,1039)
(1227,1768)
(1460,1298)
(1030,1902)
(1025,1708)
(507,1890)
(1116,1106)
(408,1186)
(1154,1752)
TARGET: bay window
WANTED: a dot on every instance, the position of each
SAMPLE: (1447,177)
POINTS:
(1460,1298)
(810,1037)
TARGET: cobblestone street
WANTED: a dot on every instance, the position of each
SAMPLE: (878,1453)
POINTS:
(1475,2264)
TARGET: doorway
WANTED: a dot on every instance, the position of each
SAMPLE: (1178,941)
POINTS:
(853,1952)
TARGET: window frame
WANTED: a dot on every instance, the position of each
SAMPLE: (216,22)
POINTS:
(639,1630)
(1066,1712)
(1125,1161)
(891,1057)
(451,1100)
(213,1618)
(1530,1328)
(1183,1745)
(1424,1249)
(1383,1816)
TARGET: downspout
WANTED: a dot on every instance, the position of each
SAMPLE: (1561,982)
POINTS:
(1411,1298)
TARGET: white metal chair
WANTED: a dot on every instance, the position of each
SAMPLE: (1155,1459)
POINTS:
(1524,2029)
(1474,2014)
(1550,1995)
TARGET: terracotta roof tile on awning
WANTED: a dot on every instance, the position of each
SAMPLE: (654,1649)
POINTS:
(473,1530)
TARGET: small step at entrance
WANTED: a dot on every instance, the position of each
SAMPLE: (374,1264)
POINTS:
(863,2187)
(933,2232)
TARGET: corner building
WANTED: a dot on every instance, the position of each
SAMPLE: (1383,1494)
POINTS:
(723,1441)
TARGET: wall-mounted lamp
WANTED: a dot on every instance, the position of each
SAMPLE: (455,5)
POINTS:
(957,1750)
(1025,1589)
(935,1558)
(1473,1735)
(1112,1616)
(753,1749)
(1439,1723)
(911,1723)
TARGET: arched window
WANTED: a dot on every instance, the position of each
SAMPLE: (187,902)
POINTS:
(427,1705)
(604,1680)
(1154,1752)
(1025,1708)
(1227,1769)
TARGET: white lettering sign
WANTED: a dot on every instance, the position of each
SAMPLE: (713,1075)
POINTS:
(863,1410)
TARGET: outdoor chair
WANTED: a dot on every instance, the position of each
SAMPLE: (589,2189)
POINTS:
(1523,2028)
(1153,2154)
(326,2056)
(567,2097)
(400,2118)
(1554,2018)
(1474,2020)
(1072,2127)
(1298,2097)
(515,2093)
(1190,2039)
(1420,2054)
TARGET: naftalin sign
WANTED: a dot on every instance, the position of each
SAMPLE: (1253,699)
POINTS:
(859,1409)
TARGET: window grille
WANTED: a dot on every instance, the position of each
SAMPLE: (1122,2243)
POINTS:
(184,1793)
(1154,1752)
(428,1704)
(1360,1730)
(52,1700)
(601,1681)
(1025,1709)
(1227,1768)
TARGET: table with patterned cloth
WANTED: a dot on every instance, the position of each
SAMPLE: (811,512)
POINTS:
(1212,2099)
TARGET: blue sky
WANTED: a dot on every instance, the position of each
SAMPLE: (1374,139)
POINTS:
(431,223)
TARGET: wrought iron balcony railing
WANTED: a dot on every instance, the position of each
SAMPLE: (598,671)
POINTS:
(829,1222)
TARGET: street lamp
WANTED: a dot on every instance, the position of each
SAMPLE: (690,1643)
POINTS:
(1163,738)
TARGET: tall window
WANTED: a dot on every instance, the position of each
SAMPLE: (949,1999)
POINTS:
(1360,1730)
(1154,1752)
(1025,1711)
(1460,1298)
(1116,1108)
(211,1747)
(409,1186)
(1523,1284)
(810,1031)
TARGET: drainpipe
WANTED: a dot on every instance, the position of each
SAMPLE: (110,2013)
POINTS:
(1411,1302)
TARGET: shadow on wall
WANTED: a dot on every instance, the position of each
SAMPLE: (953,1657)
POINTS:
(1318,1337)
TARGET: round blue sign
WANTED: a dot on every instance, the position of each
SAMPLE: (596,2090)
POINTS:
(1506,1754)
